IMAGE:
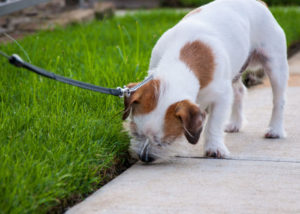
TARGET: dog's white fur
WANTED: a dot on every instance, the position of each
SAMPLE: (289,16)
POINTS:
(234,30)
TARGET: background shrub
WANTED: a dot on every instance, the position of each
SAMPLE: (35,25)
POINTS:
(195,3)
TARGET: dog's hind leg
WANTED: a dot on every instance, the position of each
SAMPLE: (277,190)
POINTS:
(277,71)
(237,117)
(274,60)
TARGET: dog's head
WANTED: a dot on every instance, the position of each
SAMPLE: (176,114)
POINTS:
(154,124)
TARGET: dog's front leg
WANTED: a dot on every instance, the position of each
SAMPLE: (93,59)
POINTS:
(214,130)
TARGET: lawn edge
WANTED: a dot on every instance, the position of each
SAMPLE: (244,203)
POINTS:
(121,165)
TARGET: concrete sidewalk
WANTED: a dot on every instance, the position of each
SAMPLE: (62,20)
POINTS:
(261,176)
(200,186)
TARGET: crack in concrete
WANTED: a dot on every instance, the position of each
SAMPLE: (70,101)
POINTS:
(243,159)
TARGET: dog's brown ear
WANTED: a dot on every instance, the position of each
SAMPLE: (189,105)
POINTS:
(129,101)
(192,119)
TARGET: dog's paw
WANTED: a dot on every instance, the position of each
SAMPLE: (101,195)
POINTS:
(232,127)
(273,134)
(216,152)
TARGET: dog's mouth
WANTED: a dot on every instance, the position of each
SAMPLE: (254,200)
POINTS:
(148,151)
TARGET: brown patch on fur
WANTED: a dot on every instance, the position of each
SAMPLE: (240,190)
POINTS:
(264,3)
(142,101)
(200,59)
(197,10)
(183,117)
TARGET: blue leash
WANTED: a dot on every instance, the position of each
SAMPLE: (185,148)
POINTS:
(121,92)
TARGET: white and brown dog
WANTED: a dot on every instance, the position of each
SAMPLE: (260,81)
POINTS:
(196,67)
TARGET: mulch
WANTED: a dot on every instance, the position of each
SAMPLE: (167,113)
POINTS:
(293,49)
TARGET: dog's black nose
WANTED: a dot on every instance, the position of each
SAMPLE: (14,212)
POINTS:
(146,158)
(145,154)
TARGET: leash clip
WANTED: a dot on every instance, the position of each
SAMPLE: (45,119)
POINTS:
(124,92)
(127,91)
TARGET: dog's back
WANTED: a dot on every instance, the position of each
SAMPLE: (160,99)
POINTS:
(238,26)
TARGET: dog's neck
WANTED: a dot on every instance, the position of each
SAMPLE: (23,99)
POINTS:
(177,81)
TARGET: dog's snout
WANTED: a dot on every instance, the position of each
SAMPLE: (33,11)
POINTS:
(144,155)
(146,158)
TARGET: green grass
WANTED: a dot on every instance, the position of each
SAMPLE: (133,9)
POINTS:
(59,141)
(289,19)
